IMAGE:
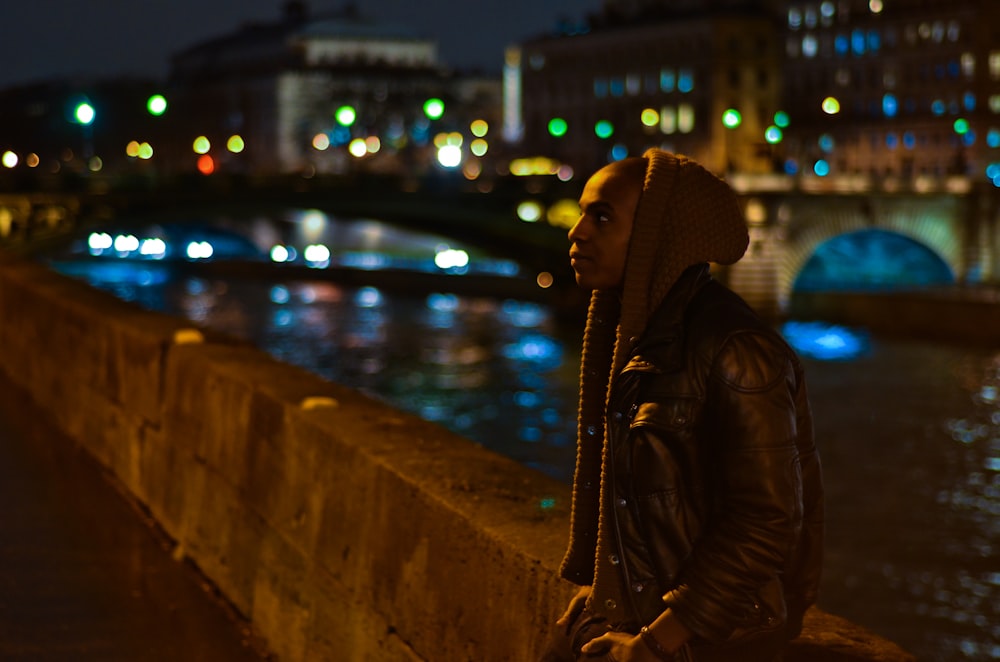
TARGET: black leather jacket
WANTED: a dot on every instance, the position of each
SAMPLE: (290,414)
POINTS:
(716,486)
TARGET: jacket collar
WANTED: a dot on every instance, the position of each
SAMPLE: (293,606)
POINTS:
(666,325)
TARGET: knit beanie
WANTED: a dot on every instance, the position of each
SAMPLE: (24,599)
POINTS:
(685,216)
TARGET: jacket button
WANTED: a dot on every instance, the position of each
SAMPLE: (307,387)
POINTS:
(610,604)
(622,502)
(618,415)
(681,420)
(613,558)
(591,430)
(637,587)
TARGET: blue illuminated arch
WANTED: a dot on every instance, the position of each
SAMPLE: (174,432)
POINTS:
(872,260)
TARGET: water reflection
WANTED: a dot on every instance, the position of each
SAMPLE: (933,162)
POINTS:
(909,432)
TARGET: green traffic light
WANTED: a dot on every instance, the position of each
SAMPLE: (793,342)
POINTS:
(156,105)
(731,118)
(84,113)
(434,108)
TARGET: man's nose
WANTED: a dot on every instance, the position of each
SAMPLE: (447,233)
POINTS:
(578,231)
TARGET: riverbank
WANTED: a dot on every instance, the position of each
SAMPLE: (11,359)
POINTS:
(957,315)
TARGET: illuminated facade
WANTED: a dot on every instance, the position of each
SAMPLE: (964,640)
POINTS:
(881,91)
(620,89)
(893,90)
(324,95)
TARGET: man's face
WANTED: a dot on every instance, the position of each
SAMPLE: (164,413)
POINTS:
(600,237)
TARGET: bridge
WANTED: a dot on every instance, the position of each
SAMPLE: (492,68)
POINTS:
(232,453)
(900,240)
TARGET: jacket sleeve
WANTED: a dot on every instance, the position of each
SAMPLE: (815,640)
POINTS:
(750,427)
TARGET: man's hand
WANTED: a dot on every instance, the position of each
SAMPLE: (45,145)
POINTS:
(576,605)
(620,647)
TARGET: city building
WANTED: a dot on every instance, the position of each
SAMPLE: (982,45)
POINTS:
(896,92)
(881,93)
(324,94)
(650,74)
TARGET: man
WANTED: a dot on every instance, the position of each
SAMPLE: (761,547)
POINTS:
(697,502)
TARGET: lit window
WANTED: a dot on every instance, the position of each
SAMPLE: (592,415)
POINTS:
(600,88)
(841,45)
(969,101)
(617,87)
(810,17)
(995,65)
(995,103)
(633,84)
(827,9)
(874,40)
(968,64)
(794,18)
(685,81)
(668,120)
(953,31)
(937,32)
(809,45)
(889,105)
(685,118)
(858,41)
(667,80)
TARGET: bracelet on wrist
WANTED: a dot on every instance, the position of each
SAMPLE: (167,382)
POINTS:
(654,645)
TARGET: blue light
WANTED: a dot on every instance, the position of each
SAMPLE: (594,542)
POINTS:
(969,138)
(685,82)
(619,152)
(993,138)
(841,45)
(826,342)
(909,140)
(889,105)
(891,140)
(826,142)
(874,40)
(969,101)
(858,42)
(667,80)
(938,107)
(821,168)
(791,167)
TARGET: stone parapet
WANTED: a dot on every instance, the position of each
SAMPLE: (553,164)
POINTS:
(341,528)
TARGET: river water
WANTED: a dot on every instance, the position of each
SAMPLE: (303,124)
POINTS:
(909,432)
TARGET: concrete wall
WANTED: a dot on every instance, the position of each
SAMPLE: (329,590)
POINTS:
(344,529)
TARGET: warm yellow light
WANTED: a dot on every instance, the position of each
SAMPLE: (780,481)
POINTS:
(235,144)
(10,159)
(145,151)
(373,144)
(201,145)
(479,147)
(831,106)
(357,147)
(479,128)
(321,141)
(31,160)
(650,117)
(564,213)
(132,149)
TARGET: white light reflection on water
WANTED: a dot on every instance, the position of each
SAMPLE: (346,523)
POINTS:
(909,432)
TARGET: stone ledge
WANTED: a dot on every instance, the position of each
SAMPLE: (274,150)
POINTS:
(350,517)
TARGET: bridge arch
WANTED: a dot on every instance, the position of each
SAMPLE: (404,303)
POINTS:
(802,224)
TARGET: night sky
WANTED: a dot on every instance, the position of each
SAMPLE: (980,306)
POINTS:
(43,39)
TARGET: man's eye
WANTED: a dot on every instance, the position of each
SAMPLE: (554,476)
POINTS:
(603,218)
